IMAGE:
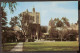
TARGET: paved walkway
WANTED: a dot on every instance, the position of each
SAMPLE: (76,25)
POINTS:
(18,47)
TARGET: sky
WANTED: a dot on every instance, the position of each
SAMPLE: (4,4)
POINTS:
(48,10)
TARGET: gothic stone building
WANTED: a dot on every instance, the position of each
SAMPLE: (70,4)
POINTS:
(34,24)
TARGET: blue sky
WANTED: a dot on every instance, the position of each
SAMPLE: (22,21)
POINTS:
(48,10)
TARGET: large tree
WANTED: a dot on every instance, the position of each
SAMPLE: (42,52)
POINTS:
(14,21)
(53,32)
(65,21)
(26,21)
(56,20)
(60,24)
(44,29)
(52,23)
(11,5)
(4,18)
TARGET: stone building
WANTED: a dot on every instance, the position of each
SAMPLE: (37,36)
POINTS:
(34,14)
(34,23)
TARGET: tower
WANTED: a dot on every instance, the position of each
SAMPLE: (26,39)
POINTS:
(27,10)
(33,10)
(34,14)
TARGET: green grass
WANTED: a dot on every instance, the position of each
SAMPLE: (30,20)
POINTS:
(8,46)
(51,46)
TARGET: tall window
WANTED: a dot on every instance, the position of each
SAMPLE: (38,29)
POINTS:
(31,19)
(37,18)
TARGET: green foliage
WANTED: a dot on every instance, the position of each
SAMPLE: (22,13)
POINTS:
(11,36)
(14,21)
(4,18)
(11,5)
(8,36)
(26,22)
(52,23)
(43,29)
(59,24)
(63,22)
(73,34)
(25,19)
(53,32)
(56,20)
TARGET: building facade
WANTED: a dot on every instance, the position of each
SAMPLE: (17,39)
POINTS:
(34,14)
(33,22)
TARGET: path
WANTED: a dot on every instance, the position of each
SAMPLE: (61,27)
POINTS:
(18,47)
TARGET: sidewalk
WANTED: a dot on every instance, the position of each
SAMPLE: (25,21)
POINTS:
(18,47)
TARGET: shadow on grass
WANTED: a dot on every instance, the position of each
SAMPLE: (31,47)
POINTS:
(51,46)
(8,46)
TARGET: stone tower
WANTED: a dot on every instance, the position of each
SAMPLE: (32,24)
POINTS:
(33,10)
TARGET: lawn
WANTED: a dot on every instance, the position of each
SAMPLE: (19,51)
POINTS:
(51,46)
(8,46)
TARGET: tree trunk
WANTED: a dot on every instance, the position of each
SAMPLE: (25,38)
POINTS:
(31,35)
(61,37)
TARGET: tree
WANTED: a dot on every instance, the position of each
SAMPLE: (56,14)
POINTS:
(59,23)
(3,23)
(11,5)
(14,21)
(26,22)
(62,23)
(56,20)
(73,34)
(51,23)
(44,29)
(4,18)
(53,32)
(61,33)
(65,21)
